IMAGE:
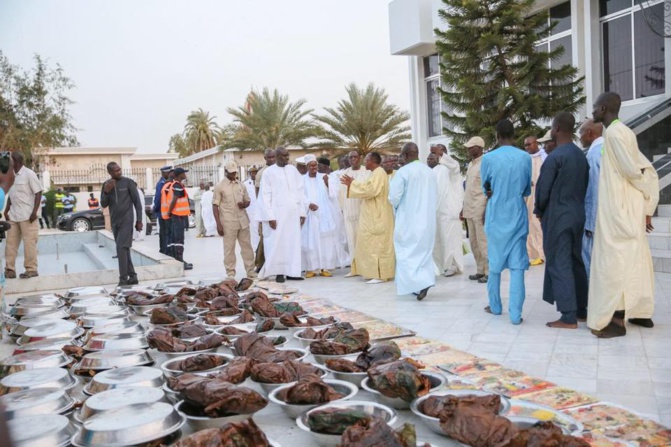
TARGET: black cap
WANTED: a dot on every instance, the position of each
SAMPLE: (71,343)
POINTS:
(179,171)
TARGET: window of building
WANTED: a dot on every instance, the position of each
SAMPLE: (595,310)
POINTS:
(434,102)
(560,35)
(633,53)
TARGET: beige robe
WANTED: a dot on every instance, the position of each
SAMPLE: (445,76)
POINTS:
(374,256)
(535,238)
(351,208)
(621,274)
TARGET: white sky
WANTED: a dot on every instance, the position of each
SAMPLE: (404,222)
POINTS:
(140,66)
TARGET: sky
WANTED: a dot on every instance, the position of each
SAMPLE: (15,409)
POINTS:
(140,66)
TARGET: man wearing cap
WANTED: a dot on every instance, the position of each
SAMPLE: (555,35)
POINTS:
(548,143)
(535,239)
(229,206)
(448,251)
(473,211)
(175,209)
(282,213)
(351,207)
(301,165)
(162,229)
(251,192)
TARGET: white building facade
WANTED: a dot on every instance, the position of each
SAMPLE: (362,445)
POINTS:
(618,45)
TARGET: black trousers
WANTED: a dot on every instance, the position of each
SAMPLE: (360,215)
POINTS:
(45,218)
(163,234)
(123,237)
(176,242)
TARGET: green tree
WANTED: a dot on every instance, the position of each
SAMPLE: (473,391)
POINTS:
(364,122)
(177,145)
(491,70)
(269,120)
(200,131)
(35,109)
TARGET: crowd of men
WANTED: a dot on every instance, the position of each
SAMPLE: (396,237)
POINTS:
(397,218)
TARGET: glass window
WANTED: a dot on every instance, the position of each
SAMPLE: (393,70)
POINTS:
(431,66)
(649,51)
(607,7)
(562,15)
(433,105)
(617,57)
(567,57)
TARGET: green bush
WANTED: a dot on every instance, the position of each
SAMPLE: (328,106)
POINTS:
(50,201)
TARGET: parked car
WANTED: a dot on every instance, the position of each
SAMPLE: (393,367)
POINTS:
(151,217)
(86,220)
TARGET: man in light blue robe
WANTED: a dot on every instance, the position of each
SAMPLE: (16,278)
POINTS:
(506,180)
(590,137)
(412,193)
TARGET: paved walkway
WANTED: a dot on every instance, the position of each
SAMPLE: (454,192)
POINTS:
(634,371)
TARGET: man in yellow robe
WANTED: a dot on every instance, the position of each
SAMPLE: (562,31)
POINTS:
(621,274)
(374,255)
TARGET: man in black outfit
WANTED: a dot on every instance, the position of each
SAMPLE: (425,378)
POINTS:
(120,195)
(560,204)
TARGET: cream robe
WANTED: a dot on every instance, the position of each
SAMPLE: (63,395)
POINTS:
(621,274)
(374,256)
(535,238)
(448,251)
(351,208)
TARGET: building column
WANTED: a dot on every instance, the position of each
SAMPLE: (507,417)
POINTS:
(149,179)
(46,181)
(592,49)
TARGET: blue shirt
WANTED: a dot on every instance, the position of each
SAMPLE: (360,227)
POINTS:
(157,195)
(592,196)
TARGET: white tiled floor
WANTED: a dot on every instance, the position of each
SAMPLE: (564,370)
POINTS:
(634,371)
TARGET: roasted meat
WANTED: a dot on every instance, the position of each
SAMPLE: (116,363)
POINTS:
(76,352)
(285,372)
(328,333)
(225,302)
(544,434)
(168,315)
(434,405)
(245,284)
(399,379)
(144,299)
(200,362)
(380,353)
(162,340)
(347,342)
(189,330)
(230,330)
(236,371)
(309,390)
(245,317)
(374,432)
(292,320)
(238,434)
(262,349)
(334,421)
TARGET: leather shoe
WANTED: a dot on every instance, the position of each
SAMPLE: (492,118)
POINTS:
(476,276)
(132,280)
(188,266)
(295,278)
(31,274)
(422,294)
(280,278)
(123,282)
(10,274)
(483,280)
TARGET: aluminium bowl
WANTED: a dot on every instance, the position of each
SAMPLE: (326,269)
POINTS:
(190,319)
(321,358)
(46,299)
(433,424)
(116,341)
(113,358)
(85,291)
(293,410)
(32,360)
(524,422)
(129,425)
(38,378)
(169,368)
(52,344)
(82,306)
(437,382)
(305,342)
(118,327)
(276,320)
(27,310)
(125,377)
(91,321)
(355,378)
(303,319)
(44,313)
(117,398)
(303,353)
(278,346)
(144,310)
(269,387)
(373,409)
(51,330)
(52,430)
(36,401)
(203,422)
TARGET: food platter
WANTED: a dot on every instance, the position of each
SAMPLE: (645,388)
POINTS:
(51,430)
(51,330)
(36,401)
(102,360)
(125,377)
(116,341)
(118,398)
(37,378)
(32,360)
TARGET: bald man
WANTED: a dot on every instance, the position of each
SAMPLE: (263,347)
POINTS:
(560,205)
(591,139)
(535,239)
(622,282)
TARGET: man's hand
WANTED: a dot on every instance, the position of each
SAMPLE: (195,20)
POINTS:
(326,180)
(302,220)
(273,224)
(588,233)
(313,207)
(33,217)
(138,226)
(241,205)
(461,215)
(109,186)
(648,224)
(220,229)
(346,180)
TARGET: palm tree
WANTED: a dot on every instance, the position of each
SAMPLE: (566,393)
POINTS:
(177,145)
(364,122)
(269,120)
(200,131)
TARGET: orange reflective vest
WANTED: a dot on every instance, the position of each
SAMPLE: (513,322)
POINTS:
(181,206)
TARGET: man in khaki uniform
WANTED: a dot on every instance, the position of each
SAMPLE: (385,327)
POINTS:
(229,204)
(24,200)
(473,212)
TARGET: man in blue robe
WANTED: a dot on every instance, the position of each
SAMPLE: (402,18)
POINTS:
(506,180)
(560,204)
(590,138)
(412,193)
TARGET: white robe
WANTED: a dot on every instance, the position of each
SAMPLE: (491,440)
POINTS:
(320,244)
(412,194)
(281,198)
(448,251)
(334,194)
(621,274)
(351,208)
(209,223)
(251,213)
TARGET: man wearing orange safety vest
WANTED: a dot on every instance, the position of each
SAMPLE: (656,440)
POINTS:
(175,214)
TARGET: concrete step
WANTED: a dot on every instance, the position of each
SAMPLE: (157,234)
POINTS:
(659,241)
(662,224)
(661,260)
(664,210)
